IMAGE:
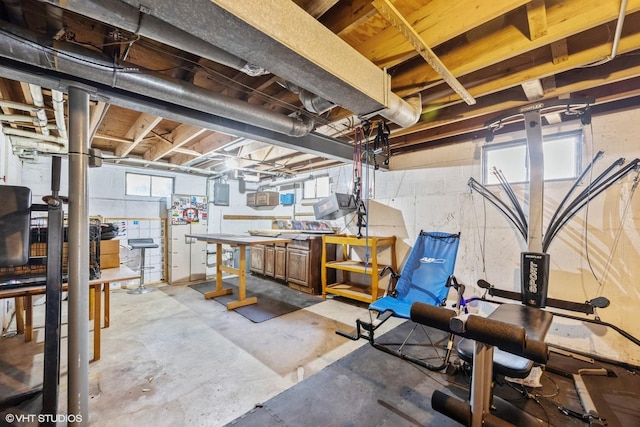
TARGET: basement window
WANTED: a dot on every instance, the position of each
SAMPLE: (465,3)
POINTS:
(148,185)
(317,188)
(562,159)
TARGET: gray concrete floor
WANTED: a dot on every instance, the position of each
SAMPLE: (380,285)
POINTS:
(172,358)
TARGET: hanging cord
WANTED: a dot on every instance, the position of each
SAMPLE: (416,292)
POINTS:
(381,144)
(362,136)
(481,238)
(586,214)
(603,280)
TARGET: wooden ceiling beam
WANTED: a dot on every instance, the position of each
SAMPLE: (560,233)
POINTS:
(513,74)
(394,17)
(537,18)
(178,137)
(136,133)
(564,19)
(436,22)
(97,113)
(583,82)
(346,15)
(205,147)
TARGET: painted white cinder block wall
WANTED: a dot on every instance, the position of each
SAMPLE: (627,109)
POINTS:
(428,191)
(596,254)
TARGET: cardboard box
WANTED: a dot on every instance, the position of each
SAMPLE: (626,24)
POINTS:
(109,254)
(109,261)
(109,247)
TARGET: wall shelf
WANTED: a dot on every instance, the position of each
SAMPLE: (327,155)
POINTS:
(365,292)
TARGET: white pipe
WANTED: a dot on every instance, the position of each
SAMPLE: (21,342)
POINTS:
(18,106)
(143,162)
(31,144)
(36,136)
(618,34)
(38,101)
(616,37)
(288,181)
(58,109)
(18,118)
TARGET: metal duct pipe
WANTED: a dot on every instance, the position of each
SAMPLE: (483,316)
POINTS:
(14,12)
(317,59)
(22,46)
(403,112)
(138,21)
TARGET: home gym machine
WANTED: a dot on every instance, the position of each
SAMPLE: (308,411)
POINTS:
(518,330)
(15,231)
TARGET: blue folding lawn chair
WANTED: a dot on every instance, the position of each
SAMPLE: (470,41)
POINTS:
(427,276)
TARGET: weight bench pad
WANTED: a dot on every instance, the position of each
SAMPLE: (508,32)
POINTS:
(536,323)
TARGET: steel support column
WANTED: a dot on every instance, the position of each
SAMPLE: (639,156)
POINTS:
(535,200)
(78,391)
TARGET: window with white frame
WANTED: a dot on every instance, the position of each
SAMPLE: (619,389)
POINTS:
(317,188)
(562,159)
(148,185)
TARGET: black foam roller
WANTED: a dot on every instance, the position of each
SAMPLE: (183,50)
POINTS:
(430,315)
(453,408)
(506,336)
(538,351)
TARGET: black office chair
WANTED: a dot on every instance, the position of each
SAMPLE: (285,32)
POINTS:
(142,244)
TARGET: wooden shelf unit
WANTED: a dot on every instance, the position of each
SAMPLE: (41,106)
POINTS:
(347,265)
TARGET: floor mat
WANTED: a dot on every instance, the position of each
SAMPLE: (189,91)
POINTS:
(274,299)
(372,388)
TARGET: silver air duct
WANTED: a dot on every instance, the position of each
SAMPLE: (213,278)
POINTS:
(25,47)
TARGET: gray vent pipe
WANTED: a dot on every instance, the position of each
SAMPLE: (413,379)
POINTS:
(25,47)
(138,21)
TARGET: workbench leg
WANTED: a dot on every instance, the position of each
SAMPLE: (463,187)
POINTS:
(96,322)
(92,297)
(28,327)
(19,301)
(107,303)
(242,284)
(219,291)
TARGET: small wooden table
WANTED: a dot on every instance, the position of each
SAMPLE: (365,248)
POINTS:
(24,301)
(241,242)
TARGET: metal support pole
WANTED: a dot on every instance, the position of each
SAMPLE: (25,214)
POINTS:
(536,179)
(78,392)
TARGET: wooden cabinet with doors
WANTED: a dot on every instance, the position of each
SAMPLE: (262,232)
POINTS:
(269,260)
(256,264)
(280,268)
(304,254)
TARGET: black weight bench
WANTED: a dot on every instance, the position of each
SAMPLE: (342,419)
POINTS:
(518,332)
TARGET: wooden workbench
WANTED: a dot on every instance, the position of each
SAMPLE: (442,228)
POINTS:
(240,241)
(98,287)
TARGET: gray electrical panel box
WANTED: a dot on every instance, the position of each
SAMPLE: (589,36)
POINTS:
(220,194)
